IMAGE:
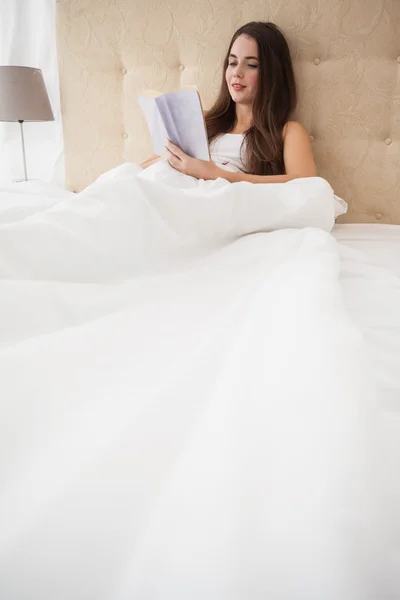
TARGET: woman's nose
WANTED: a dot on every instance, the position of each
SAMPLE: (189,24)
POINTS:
(238,71)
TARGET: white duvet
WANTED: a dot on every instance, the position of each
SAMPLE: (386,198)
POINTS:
(199,395)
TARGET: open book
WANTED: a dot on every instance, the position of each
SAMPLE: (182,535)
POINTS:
(177,116)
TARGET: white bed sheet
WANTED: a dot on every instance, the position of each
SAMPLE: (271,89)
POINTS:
(189,411)
(381,243)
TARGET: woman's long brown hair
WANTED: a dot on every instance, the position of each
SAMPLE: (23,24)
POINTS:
(273,105)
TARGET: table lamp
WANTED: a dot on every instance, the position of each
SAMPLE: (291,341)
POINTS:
(23,97)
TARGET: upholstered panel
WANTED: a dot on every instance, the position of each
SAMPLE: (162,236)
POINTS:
(347,60)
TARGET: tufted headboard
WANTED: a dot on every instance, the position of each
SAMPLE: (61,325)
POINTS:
(347,61)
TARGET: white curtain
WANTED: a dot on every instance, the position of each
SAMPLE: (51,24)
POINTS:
(28,38)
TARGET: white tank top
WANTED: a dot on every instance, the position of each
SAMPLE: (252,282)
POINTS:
(225,151)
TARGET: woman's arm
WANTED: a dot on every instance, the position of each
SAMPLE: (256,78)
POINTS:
(297,155)
(150,161)
(234,177)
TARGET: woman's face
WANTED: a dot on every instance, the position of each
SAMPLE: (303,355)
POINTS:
(242,71)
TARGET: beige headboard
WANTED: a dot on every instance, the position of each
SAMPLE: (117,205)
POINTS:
(347,60)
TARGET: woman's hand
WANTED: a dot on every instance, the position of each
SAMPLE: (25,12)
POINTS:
(150,161)
(201,169)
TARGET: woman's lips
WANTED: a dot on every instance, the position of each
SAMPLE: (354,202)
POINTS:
(238,87)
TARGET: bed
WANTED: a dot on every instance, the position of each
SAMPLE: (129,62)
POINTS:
(381,244)
(200,381)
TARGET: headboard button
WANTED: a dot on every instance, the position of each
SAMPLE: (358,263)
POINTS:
(316,61)
(388,141)
(398,59)
(378,216)
(124,71)
(311,138)
(125,135)
(181,67)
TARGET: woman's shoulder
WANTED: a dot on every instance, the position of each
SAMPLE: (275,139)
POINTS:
(294,129)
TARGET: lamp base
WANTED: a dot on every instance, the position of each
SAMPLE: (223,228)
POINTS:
(23,180)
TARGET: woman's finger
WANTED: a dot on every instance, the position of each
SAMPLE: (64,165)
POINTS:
(174,149)
(173,160)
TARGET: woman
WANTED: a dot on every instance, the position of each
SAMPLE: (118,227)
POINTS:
(250,134)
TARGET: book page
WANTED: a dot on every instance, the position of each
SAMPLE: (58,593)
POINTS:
(155,124)
(183,120)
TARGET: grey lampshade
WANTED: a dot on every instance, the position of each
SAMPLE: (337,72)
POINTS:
(23,95)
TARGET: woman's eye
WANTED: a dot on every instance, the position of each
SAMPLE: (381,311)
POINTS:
(233,64)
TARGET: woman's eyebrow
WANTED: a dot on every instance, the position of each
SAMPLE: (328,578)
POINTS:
(246,57)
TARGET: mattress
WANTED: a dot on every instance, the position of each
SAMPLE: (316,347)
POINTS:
(381,243)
